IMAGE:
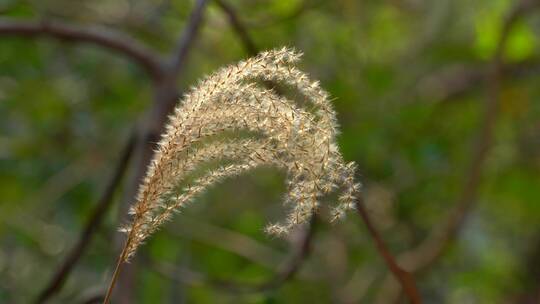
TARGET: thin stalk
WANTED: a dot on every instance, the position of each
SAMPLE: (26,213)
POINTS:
(117,269)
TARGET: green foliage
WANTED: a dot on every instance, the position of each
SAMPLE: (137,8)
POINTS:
(67,108)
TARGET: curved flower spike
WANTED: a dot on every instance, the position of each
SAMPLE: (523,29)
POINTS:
(300,141)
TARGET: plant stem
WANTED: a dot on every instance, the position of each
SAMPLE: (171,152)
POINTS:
(117,269)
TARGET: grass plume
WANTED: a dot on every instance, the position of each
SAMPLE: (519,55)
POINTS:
(300,140)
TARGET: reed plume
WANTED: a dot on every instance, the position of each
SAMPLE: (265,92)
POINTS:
(297,137)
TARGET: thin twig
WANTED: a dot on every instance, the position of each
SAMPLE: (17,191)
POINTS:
(92,225)
(269,21)
(454,81)
(245,39)
(114,40)
(238,27)
(187,37)
(405,279)
(427,252)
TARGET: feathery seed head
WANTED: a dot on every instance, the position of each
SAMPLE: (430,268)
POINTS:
(297,140)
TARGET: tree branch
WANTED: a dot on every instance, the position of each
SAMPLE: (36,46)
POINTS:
(245,39)
(457,80)
(427,252)
(93,224)
(106,38)
(187,37)
(238,27)
(405,279)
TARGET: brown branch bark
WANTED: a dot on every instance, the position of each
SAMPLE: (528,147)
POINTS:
(458,80)
(238,27)
(427,252)
(187,37)
(92,225)
(269,21)
(107,38)
(405,278)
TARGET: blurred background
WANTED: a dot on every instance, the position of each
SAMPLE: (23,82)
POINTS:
(438,105)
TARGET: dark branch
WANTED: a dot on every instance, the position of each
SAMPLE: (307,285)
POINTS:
(433,246)
(106,38)
(91,227)
(238,27)
(455,81)
(245,39)
(270,21)
(294,265)
(427,252)
(405,279)
(187,37)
